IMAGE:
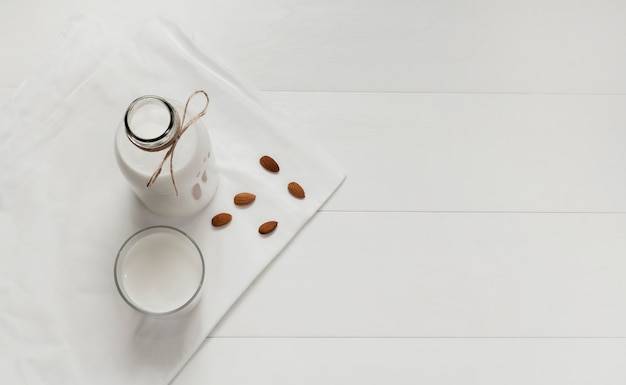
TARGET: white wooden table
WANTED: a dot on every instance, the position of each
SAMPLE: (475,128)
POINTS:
(480,237)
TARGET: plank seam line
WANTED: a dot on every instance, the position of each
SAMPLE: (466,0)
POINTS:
(472,212)
(444,92)
(426,338)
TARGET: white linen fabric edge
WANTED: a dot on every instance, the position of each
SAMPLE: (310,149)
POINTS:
(64,208)
(82,46)
(245,89)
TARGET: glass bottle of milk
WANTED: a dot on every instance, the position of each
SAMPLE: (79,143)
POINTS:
(150,130)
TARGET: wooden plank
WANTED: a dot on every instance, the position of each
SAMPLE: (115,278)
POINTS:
(470,152)
(540,46)
(407,361)
(442,275)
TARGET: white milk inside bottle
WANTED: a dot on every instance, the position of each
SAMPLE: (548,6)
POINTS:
(150,121)
(142,141)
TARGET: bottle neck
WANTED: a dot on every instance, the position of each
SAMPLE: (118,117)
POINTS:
(151,123)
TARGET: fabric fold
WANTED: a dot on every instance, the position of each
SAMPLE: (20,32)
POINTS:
(65,208)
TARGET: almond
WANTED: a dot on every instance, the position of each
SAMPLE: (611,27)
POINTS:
(268,227)
(244,198)
(296,190)
(269,164)
(221,219)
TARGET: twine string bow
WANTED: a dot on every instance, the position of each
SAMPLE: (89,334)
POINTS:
(171,145)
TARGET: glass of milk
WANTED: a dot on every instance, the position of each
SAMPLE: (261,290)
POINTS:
(159,271)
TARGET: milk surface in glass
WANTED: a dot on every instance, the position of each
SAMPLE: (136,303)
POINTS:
(161,271)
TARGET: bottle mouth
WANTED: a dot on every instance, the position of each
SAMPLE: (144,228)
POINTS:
(150,122)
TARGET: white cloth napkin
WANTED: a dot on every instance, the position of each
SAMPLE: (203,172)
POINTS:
(65,208)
